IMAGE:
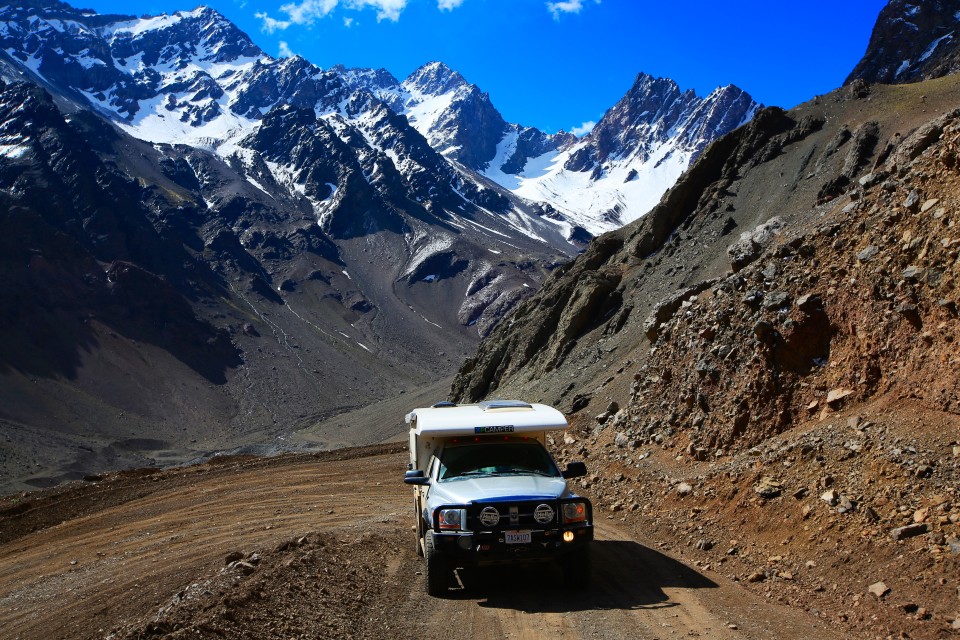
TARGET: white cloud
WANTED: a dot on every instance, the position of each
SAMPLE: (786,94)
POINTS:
(285,50)
(566,6)
(448,5)
(308,11)
(583,129)
(386,9)
(270,24)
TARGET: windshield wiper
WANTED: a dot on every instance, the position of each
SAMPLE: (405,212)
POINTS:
(536,472)
(467,474)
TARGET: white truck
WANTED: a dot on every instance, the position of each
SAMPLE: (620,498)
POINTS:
(487,491)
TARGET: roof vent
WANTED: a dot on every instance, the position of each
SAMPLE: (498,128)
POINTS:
(443,404)
(489,405)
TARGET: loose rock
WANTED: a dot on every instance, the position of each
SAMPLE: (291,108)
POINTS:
(879,589)
(908,531)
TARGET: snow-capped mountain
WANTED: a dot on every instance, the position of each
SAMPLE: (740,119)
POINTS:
(634,154)
(913,40)
(193,78)
(456,117)
(612,176)
(194,228)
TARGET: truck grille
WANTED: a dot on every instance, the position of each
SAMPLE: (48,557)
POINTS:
(513,514)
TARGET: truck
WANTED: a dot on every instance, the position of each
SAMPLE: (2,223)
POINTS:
(487,491)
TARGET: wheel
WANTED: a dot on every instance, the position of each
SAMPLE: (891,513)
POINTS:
(420,527)
(438,569)
(576,568)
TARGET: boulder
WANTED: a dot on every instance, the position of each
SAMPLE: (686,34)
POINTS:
(836,396)
(768,488)
(908,531)
(752,243)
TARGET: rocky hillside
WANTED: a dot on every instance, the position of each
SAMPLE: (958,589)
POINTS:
(757,291)
(913,40)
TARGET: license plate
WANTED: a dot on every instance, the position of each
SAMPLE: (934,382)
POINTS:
(517,537)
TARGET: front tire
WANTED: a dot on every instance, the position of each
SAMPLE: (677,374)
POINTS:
(438,569)
(421,528)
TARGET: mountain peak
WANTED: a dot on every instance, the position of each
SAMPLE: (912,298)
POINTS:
(644,79)
(371,79)
(434,78)
(912,41)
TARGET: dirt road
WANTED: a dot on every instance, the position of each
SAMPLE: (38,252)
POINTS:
(321,547)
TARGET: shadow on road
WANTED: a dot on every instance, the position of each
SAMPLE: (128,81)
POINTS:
(626,575)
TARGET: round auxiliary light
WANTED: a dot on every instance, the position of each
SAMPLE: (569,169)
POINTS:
(489,517)
(543,514)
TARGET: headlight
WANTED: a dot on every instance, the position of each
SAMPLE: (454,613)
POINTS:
(574,512)
(450,518)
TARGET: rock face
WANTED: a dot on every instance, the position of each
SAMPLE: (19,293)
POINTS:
(655,112)
(913,40)
(806,380)
(589,295)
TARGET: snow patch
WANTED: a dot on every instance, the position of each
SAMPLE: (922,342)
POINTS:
(14,151)
(933,45)
(141,26)
(431,247)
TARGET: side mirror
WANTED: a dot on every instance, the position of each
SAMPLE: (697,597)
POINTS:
(574,470)
(416,476)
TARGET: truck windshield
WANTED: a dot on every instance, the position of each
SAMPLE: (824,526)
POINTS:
(491,459)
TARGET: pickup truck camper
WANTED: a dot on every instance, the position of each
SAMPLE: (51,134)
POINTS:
(487,491)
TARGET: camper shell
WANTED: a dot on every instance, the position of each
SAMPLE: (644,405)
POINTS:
(487,491)
(429,427)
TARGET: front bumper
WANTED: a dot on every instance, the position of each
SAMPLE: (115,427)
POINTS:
(490,547)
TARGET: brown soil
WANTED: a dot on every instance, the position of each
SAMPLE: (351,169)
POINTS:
(313,546)
(762,518)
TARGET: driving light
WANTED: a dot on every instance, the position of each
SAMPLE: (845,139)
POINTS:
(574,512)
(568,536)
(489,517)
(450,518)
(543,514)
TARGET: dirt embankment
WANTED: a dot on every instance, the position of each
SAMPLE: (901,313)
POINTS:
(813,518)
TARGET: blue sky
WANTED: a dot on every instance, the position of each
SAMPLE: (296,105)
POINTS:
(560,64)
